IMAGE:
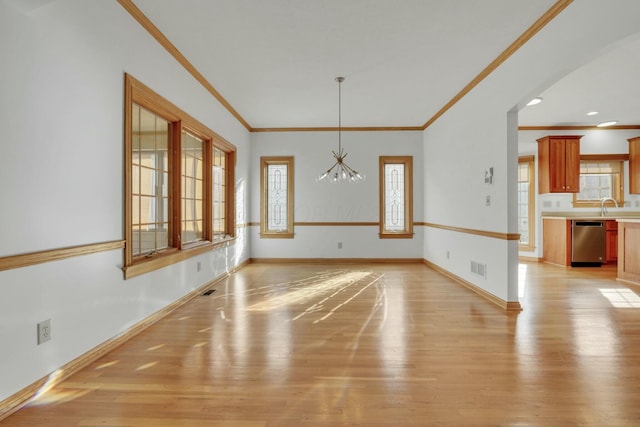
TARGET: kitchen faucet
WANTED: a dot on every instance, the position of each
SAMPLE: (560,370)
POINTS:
(603,208)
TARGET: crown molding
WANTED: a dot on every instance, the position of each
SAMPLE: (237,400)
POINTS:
(344,129)
(538,25)
(182,60)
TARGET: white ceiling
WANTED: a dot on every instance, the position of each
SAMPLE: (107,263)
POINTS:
(274,61)
(608,84)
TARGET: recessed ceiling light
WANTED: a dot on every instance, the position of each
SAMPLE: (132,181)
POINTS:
(534,101)
(592,113)
(605,124)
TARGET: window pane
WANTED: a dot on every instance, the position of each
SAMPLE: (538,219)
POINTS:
(192,183)
(277,193)
(161,236)
(135,207)
(217,210)
(147,241)
(136,239)
(135,177)
(218,193)
(524,187)
(149,183)
(394,203)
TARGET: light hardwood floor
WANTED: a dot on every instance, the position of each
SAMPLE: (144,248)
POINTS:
(370,345)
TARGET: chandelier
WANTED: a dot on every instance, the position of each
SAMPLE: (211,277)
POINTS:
(340,171)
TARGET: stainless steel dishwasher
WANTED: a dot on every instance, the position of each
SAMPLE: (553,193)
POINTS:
(587,243)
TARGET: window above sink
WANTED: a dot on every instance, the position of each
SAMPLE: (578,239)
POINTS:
(601,177)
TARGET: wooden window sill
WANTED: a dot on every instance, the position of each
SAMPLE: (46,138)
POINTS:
(144,265)
(276,235)
(400,235)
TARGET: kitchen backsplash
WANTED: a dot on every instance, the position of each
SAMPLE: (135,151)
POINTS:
(564,202)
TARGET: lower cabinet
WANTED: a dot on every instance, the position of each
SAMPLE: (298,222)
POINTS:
(611,241)
(629,251)
(556,241)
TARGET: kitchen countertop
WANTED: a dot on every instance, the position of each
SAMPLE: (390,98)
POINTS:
(627,216)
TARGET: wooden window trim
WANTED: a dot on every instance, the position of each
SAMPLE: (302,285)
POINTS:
(264,163)
(407,233)
(530,161)
(604,157)
(138,93)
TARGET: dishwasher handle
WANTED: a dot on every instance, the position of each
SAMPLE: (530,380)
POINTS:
(588,223)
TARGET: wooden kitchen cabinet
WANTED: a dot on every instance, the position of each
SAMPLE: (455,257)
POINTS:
(556,241)
(634,165)
(559,164)
(629,251)
(611,241)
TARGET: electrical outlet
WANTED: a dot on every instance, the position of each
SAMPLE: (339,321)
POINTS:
(447,254)
(488,200)
(44,331)
(198,266)
(339,245)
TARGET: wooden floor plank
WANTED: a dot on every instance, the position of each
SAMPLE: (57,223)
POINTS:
(369,344)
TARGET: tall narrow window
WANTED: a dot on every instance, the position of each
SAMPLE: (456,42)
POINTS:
(526,203)
(192,182)
(599,178)
(276,197)
(150,196)
(396,197)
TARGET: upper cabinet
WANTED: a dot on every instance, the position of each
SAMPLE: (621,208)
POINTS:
(634,165)
(559,164)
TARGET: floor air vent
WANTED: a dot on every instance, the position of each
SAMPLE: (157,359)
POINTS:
(208,292)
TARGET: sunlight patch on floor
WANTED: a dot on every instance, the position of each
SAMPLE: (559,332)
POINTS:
(48,395)
(621,298)
(156,347)
(58,396)
(146,366)
(331,282)
(522,279)
(347,301)
(107,364)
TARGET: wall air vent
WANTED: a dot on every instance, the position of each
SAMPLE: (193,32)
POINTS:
(479,269)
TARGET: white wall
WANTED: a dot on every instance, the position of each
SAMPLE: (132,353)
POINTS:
(477,133)
(458,149)
(61,179)
(326,202)
(597,141)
